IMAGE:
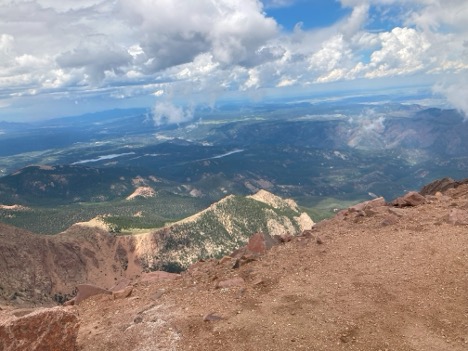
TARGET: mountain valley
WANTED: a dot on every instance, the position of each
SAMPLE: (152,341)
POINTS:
(40,269)
(324,156)
(375,276)
(271,228)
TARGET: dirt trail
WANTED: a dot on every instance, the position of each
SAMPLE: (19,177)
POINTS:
(384,280)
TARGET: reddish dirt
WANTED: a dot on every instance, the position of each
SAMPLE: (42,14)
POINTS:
(382,279)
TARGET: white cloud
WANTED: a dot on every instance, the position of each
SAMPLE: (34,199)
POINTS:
(456,93)
(204,49)
(403,51)
(172,34)
(286,82)
(95,55)
(355,21)
(6,44)
(332,60)
(166,112)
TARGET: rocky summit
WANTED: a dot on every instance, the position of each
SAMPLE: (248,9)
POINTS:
(378,276)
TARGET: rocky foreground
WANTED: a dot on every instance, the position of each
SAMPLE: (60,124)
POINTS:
(377,276)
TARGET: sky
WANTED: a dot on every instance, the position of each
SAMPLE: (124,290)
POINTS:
(67,57)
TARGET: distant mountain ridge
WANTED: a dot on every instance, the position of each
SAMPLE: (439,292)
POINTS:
(38,268)
(322,155)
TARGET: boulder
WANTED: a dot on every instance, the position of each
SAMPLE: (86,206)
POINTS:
(159,275)
(211,317)
(389,220)
(259,243)
(307,234)
(397,212)
(122,294)
(367,205)
(45,329)
(283,238)
(121,284)
(230,283)
(439,185)
(458,217)
(410,199)
(87,290)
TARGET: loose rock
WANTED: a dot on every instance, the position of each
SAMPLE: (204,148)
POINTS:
(51,329)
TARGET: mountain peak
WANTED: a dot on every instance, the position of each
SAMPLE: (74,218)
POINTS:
(273,200)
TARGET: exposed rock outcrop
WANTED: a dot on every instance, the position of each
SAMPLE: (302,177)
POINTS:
(46,329)
(441,185)
(87,290)
(410,199)
(142,191)
(38,268)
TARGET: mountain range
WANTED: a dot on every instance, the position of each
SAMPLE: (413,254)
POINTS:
(171,237)
(378,275)
(37,268)
(324,156)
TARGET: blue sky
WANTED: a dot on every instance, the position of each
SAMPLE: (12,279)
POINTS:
(310,14)
(67,57)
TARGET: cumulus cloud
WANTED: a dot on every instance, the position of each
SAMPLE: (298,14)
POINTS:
(166,112)
(121,49)
(96,56)
(403,51)
(456,94)
(172,34)
(331,60)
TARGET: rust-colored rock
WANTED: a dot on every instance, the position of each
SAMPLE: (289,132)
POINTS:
(284,238)
(122,294)
(458,217)
(211,317)
(70,302)
(87,290)
(396,211)
(225,259)
(389,220)
(367,205)
(158,275)
(439,185)
(260,243)
(307,234)
(230,283)
(121,284)
(368,287)
(45,329)
(410,199)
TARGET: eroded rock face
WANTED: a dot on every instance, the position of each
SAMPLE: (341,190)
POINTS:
(87,290)
(158,275)
(45,329)
(258,244)
(410,199)
(367,205)
(439,185)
